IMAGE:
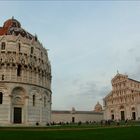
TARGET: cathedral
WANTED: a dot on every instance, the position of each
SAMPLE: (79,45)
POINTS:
(123,102)
(25,78)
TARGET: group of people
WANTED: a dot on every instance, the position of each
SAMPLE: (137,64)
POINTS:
(113,122)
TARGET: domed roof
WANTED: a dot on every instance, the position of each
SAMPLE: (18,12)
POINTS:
(13,27)
(98,107)
(73,110)
(11,23)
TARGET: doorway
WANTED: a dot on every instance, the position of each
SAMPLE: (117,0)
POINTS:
(17,115)
(73,119)
(112,117)
(122,115)
(133,115)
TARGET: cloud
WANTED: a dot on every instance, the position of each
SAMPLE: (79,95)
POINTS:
(134,71)
(92,89)
(88,44)
(137,59)
(85,94)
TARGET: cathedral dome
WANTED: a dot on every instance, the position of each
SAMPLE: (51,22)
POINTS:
(13,27)
(11,23)
(98,107)
(73,110)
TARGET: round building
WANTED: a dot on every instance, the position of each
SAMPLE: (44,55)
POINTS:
(25,77)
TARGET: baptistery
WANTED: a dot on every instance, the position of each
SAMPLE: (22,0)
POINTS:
(25,77)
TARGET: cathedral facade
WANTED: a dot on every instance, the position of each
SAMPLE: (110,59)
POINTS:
(25,77)
(123,102)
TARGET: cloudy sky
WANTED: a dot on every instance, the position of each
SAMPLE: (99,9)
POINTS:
(87,41)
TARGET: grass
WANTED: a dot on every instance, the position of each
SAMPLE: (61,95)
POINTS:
(70,133)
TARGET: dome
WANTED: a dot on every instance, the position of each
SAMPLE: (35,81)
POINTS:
(73,110)
(13,27)
(98,107)
(11,23)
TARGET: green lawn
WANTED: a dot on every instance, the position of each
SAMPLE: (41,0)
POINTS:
(110,133)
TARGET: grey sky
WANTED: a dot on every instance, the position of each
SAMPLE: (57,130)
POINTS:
(87,41)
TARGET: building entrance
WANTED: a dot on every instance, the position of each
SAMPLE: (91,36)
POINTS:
(112,117)
(17,115)
(122,115)
(73,119)
(133,115)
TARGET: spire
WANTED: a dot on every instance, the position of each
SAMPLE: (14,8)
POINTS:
(117,72)
(12,17)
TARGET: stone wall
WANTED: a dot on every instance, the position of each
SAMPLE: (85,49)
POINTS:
(21,95)
(83,116)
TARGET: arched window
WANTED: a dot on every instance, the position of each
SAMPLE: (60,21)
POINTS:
(19,70)
(2,77)
(133,108)
(45,101)
(32,50)
(33,100)
(3,46)
(19,47)
(1,97)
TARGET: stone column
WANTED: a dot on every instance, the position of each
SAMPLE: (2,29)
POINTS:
(26,110)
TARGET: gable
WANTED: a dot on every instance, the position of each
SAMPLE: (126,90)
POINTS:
(118,78)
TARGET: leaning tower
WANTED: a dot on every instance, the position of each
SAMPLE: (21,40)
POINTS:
(25,77)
